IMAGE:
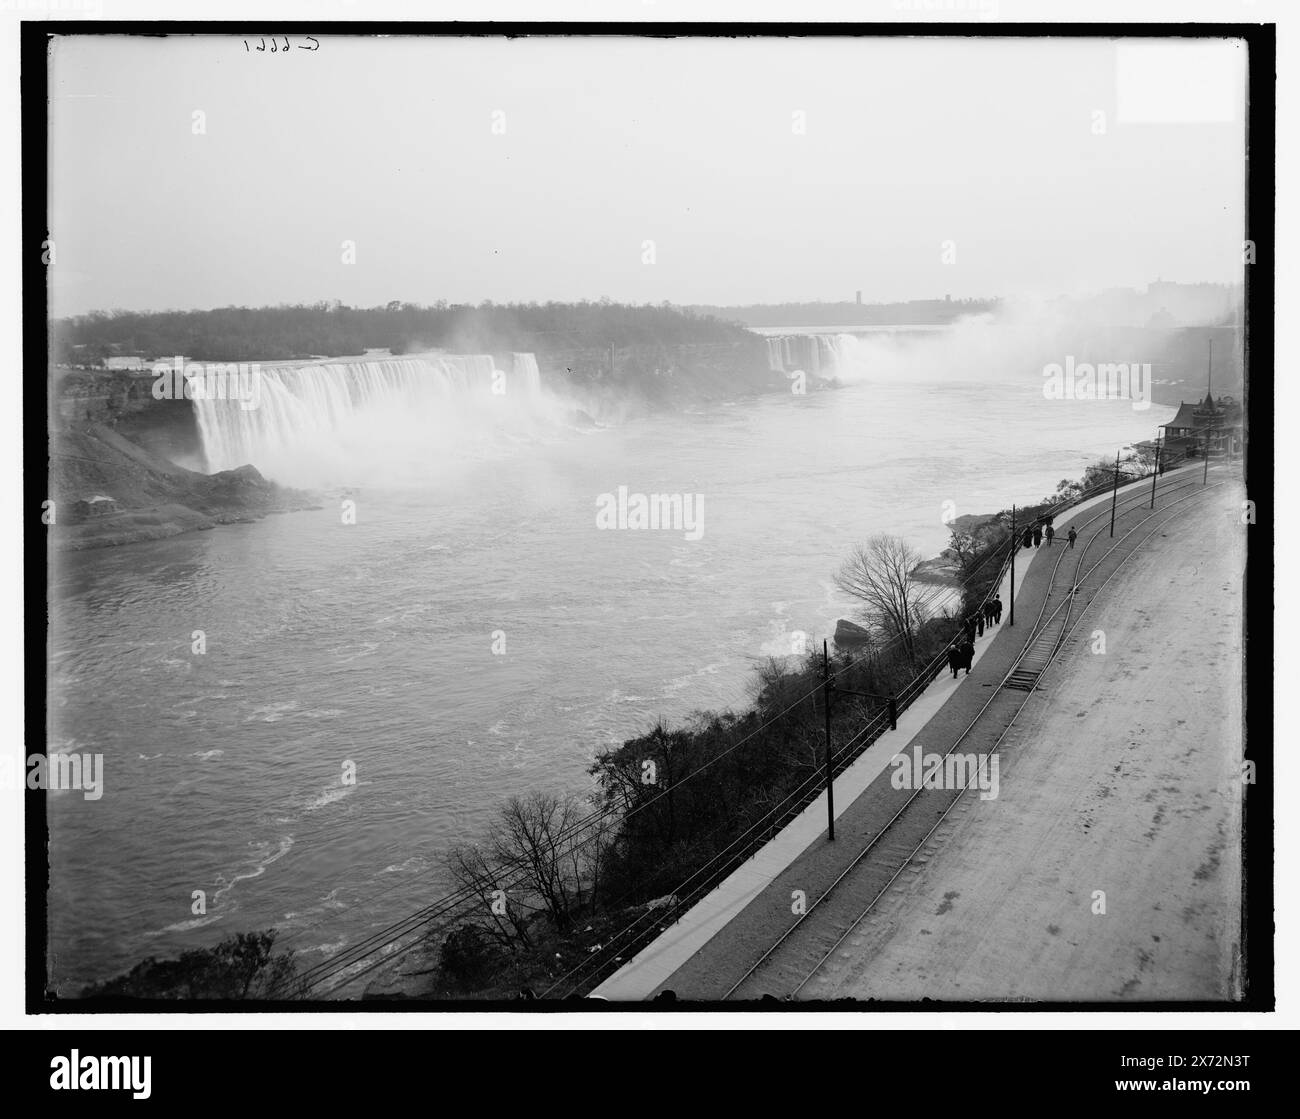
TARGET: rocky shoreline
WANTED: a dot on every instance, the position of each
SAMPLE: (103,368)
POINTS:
(106,490)
(942,571)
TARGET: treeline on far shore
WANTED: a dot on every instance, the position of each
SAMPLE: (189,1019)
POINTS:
(912,312)
(333,329)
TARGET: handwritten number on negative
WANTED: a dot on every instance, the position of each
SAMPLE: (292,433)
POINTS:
(275,49)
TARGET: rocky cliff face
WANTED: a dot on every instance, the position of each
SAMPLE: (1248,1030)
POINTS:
(107,490)
(609,381)
(125,403)
(111,439)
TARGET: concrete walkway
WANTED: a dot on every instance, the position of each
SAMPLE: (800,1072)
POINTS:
(694,954)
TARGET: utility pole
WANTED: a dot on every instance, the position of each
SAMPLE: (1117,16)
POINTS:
(1209,395)
(1155,471)
(1114,495)
(1011,613)
(830,779)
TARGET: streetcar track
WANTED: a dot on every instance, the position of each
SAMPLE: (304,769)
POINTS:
(1001,693)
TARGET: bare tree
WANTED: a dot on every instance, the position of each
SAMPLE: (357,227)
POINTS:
(531,831)
(533,856)
(879,574)
(498,912)
(589,852)
(965,549)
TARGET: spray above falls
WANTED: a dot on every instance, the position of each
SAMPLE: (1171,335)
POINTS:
(323,422)
(813,353)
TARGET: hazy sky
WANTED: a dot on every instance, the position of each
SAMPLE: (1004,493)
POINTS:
(693,144)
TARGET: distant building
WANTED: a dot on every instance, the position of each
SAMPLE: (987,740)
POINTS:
(859,299)
(1197,302)
(85,509)
(1212,425)
(131,362)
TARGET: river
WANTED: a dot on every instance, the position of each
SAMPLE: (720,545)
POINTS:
(471,635)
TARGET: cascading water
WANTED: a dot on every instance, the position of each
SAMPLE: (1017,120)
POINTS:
(527,375)
(774,362)
(813,353)
(335,421)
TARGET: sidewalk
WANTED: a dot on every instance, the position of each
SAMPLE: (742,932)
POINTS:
(708,945)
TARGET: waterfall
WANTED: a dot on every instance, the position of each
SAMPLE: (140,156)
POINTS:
(813,353)
(527,375)
(340,404)
(828,347)
(775,359)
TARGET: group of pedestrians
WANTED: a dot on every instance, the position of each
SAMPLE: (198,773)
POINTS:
(1043,530)
(1039,531)
(961,653)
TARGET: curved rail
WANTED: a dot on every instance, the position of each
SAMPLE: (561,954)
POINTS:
(1041,624)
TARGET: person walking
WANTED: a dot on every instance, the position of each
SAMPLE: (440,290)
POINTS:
(1028,538)
(1073,536)
(988,612)
(1038,535)
(979,623)
(997,609)
(1049,532)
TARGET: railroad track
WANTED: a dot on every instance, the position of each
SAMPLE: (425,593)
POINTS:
(1049,631)
(795,958)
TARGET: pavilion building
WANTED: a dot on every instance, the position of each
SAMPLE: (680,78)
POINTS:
(1212,426)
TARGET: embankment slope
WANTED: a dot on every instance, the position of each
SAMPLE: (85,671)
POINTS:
(149,497)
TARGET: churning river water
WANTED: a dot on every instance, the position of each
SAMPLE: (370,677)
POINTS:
(472,635)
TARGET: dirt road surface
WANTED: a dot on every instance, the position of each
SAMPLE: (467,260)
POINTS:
(1108,866)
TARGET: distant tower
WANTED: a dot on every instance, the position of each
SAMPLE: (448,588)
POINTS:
(859,299)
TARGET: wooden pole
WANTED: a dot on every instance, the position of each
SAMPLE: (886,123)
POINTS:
(830,761)
(1114,495)
(1155,472)
(1015,544)
(1209,395)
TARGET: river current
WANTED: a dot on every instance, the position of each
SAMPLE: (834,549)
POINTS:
(473,634)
